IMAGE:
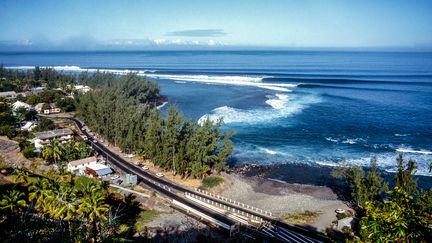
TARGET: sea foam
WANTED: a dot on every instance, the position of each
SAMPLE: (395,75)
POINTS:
(282,107)
(244,80)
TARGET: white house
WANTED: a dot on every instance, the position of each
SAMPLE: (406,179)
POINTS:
(28,126)
(82,88)
(79,166)
(8,94)
(19,104)
(42,138)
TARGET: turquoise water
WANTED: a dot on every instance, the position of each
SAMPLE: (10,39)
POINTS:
(288,106)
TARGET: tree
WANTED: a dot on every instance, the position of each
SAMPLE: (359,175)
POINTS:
(171,137)
(365,187)
(13,201)
(153,137)
(22,176)
(93,208)
(53,151)
(404,178)
(45,124)
(394,220)
(225,150)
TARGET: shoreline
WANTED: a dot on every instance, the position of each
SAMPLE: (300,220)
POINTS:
(304,174)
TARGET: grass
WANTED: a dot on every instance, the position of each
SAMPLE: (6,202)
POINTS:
(144,218)
(210,182)
(13,177)
(306,217)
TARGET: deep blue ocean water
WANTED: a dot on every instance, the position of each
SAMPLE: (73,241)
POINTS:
(288,106)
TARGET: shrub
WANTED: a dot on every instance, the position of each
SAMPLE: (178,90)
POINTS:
(210,182)
(28,152)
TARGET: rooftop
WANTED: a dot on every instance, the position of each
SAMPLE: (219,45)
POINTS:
(7,93)
(83,161)
(53,133)
(100,169)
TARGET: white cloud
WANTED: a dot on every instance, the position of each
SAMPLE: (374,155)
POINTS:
(159,41)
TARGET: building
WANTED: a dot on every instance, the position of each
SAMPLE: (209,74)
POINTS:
(79,166)
(37,90)
(345,223)
(53,109)
(82,88)
(28,126)
(39,107)
(8,95)
(19,104)
(42,138)
(97,170)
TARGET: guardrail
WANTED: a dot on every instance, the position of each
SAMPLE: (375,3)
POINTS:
(228,200)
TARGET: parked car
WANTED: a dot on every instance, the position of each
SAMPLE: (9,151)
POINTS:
(119,182)
(339,211)
(114,177)
(145,168)
(159,175)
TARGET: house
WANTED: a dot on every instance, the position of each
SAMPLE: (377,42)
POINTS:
(53,109)
(8,95)
(43,138)
(345,223)
(97,170)
(28,126)
(82,88)
(39,107)
(19,104)
(78,166)
(37,90)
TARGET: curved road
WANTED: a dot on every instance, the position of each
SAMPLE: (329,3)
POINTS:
(279,230)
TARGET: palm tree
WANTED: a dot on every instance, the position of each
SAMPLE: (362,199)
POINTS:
(13,201)
(53,151)
(93,209)
(22,176)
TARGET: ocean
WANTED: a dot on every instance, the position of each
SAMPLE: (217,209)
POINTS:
(302,107)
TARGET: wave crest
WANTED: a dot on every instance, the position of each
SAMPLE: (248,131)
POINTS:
(282,106)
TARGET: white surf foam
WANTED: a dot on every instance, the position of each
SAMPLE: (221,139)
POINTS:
(281,108)
(412,151)
(209,79)
(275,88)
(278,102)
(352,140)
(330,139)
(269,151)
(345,140)
(162,105)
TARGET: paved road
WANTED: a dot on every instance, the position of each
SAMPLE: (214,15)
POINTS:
(278,230)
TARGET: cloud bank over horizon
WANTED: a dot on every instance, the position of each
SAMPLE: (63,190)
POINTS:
(144,25)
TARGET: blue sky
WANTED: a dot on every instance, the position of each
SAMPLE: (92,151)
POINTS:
(131,24)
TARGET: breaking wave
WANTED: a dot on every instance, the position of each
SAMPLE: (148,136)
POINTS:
(245,80)
(282,106)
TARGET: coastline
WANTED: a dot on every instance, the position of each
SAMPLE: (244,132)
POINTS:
(304,174)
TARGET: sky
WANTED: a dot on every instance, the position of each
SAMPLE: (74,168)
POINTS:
(147,24)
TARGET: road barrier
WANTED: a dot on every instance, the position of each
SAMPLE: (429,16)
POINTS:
(245,206)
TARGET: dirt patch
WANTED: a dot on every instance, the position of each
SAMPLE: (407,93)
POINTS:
(7,145)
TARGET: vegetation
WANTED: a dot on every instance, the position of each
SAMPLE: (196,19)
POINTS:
(402,214)
(144,218)
(59,207)
(123,113)
(7,120)
(210,182)
(306,217)
(45,124)
(55,151)
(364,187)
